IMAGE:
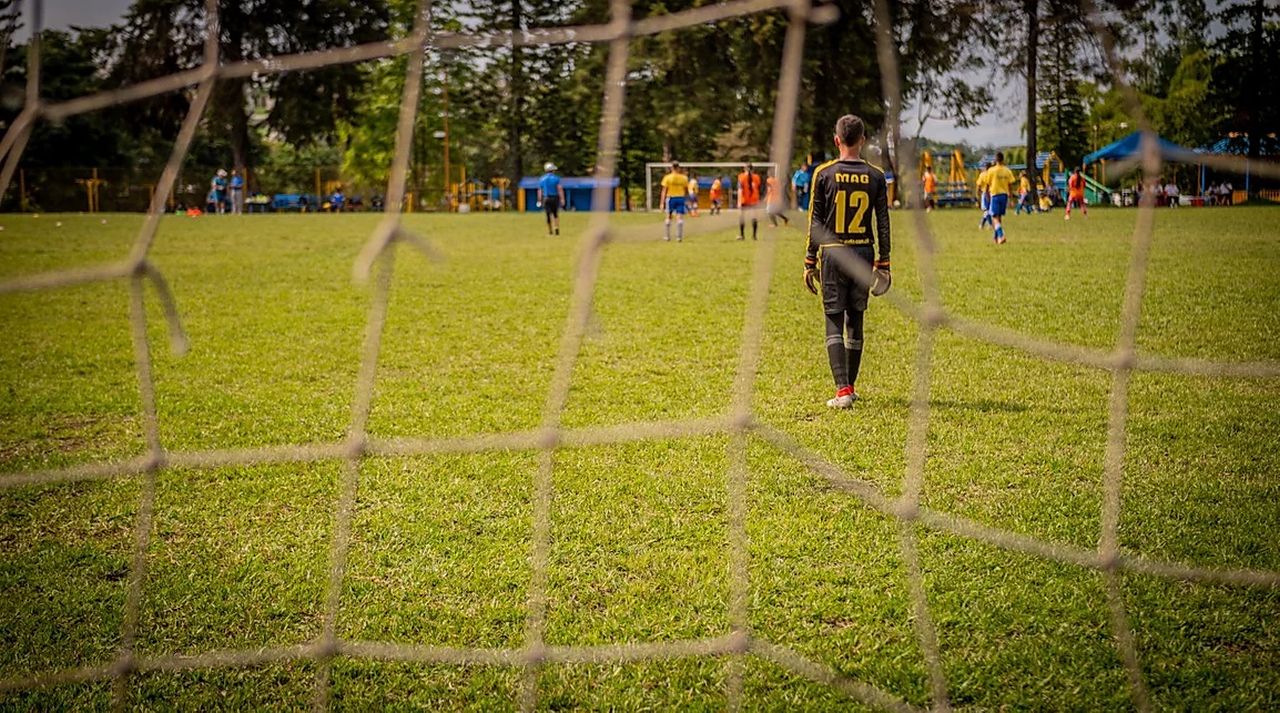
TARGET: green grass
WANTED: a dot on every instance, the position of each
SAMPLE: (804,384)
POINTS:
(441,544)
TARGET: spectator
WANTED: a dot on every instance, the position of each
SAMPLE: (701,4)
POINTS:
(800,186)
(1171,193)
(1054,196)
(237,192)
(218,191)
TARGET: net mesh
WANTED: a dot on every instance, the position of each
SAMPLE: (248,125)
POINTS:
(1109,559)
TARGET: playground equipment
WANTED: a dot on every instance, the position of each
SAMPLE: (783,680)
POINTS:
(1045,161)
(1095,193)
(479,195)
(475,194)
(91,186)
(957,173)
(954,189)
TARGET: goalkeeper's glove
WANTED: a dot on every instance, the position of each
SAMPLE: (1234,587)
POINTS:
(881,278)
(811,275)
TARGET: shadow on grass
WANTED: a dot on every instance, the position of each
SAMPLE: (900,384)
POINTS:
(975,405)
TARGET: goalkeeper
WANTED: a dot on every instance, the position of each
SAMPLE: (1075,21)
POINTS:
(842,257)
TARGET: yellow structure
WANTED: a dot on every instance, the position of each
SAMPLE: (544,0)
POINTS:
(1046,174)
(926,162)
(91,186)
(957,172)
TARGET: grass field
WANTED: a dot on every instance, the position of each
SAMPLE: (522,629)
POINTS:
(441,545)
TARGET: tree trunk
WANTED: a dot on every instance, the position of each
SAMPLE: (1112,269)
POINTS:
(1032,9)
(1259,87)
(233,99)
(239,117)
(515,122)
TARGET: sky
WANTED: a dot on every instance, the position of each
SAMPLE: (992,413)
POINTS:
(1002,129)
(992,130)
(61,14)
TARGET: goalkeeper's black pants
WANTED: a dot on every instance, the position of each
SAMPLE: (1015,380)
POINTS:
(844,345)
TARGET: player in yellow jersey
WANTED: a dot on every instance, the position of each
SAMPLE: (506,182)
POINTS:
(675,189)
(1024,194)
(984,196)
(1000,183)
(693,195)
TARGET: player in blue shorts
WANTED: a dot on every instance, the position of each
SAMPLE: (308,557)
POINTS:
(1000,183)
(218,191)
(675,188)
(984,196)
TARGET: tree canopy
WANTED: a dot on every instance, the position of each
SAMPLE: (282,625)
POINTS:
(702,93)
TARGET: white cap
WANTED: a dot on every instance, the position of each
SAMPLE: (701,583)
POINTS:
(549,167)
(222,172)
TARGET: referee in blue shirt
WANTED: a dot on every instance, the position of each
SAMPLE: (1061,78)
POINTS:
(551,197)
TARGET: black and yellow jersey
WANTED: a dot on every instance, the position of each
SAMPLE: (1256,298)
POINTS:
(847,194)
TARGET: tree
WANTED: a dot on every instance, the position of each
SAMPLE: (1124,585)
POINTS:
(1061,116)
(946,97)
(1188,114)
(1250,52)
(10,21)
(1016,36)
(503,90)
(159,37)
(68,70)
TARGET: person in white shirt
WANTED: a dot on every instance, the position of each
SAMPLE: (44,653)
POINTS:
(1171,193)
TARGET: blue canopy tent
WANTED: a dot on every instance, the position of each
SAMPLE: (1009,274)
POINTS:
(1237,144)
(577,193)
(1130,147)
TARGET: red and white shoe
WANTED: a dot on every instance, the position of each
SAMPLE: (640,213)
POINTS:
(844,398)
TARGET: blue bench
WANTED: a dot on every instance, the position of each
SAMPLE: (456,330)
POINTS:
(300,202)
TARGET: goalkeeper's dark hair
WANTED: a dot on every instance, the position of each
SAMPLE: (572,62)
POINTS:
(850,129)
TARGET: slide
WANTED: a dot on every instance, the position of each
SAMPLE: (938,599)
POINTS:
(1094,192)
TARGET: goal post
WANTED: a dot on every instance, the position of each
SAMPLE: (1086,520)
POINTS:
(706,171)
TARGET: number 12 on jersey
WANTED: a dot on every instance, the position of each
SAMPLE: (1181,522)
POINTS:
(859,201)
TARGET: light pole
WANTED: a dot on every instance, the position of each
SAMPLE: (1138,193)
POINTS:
(445,117)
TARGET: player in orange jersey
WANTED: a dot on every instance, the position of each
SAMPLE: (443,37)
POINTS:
(930,184)
(716,195)
(748,200)
(774,206)
(1075,193)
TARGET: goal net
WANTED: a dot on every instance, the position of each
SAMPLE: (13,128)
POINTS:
(705,172)
(740,424)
